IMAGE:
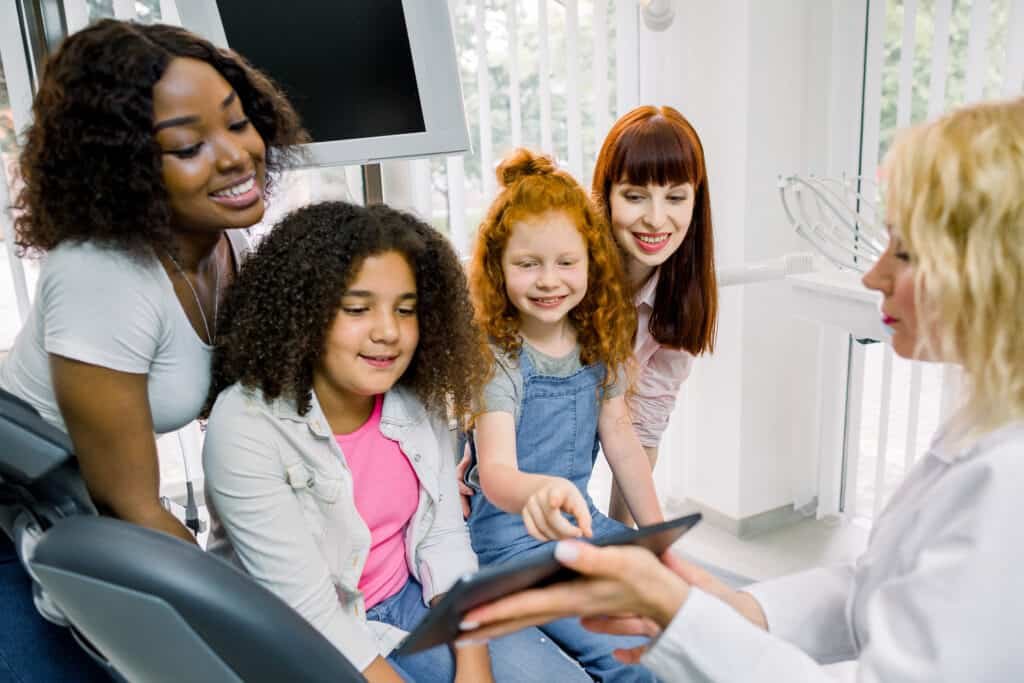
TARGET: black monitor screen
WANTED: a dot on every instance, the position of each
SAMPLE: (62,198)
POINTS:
(345,65)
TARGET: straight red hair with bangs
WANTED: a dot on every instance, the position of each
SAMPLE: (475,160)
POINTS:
(658,146)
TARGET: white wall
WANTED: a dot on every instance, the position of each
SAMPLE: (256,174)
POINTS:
(756,79)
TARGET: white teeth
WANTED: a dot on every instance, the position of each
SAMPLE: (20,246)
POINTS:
(651,239)
(236,190)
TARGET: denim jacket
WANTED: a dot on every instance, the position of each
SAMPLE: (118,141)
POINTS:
(278,485)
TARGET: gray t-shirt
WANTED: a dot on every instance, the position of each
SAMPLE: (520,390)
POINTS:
(504,392)
(99,306)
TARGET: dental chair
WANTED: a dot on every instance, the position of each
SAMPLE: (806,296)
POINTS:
(147,606)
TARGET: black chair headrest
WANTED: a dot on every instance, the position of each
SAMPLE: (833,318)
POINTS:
(252,631)
(31,446)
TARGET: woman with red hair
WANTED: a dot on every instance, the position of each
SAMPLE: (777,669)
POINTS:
(651,182)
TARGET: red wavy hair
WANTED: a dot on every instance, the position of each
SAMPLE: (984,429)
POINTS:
(657,145)
(605,320)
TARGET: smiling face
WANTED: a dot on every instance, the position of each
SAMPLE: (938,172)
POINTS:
(373,337)
(893,276)
(651,221)
(213,165)
(545,266)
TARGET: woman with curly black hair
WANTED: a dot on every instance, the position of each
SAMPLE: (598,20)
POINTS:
(347,350)
(147,154)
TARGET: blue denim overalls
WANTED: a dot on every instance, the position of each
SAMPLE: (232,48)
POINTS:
(556,434)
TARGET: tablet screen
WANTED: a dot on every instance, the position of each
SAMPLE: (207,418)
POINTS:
(532,570)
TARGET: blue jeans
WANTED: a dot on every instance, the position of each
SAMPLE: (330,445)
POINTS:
(527,656)
(594,652)
(32,650)
(557,435)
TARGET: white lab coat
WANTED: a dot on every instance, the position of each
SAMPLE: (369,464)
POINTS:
(937,596)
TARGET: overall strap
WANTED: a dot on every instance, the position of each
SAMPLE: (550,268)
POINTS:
(526,366)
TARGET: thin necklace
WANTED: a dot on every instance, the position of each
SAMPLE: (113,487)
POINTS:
(216,294)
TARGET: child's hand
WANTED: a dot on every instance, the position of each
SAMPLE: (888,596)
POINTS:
(543,517)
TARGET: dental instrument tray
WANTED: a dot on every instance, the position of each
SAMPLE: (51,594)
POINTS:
(534,570)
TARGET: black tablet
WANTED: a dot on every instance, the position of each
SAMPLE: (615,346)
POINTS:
(540,568)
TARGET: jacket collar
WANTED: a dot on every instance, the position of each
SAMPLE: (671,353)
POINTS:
(401,409)
(948,449)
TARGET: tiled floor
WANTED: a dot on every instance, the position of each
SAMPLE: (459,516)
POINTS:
(810,543)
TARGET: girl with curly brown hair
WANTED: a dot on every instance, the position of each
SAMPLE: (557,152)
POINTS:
(147,155)
(549,292)
(346,348)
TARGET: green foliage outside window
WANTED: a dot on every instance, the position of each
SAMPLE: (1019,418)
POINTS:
(956,78)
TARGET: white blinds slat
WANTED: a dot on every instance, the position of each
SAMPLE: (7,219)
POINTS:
(76,15)
(124,10)
(544,65)
(515,111)
(19,91)
(13,262)
(977,42)
(455,168)
(601,118)
(483,77)
(572,89)
(627,61)
(873,87)
(17,70)
(1013,74)
(940,58)
(422,190)
(906,83)
(169,13)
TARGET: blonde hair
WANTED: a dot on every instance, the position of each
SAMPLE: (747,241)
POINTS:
(955,194)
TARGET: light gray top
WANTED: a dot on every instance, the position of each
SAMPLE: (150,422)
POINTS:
(504,392)
(100,306)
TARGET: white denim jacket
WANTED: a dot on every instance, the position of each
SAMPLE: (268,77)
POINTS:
(279,485)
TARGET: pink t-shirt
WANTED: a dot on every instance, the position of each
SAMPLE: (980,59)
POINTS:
(387,492)
(661,372)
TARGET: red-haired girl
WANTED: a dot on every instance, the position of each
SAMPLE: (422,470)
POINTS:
(549,291)
(651,181)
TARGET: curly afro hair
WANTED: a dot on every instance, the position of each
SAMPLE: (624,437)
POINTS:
(274,320)
(91,165)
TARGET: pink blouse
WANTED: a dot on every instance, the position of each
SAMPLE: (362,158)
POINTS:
(661,372)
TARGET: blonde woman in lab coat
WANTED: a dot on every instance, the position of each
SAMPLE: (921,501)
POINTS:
(939,593)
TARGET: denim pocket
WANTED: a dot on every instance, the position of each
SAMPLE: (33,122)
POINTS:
(316,493)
